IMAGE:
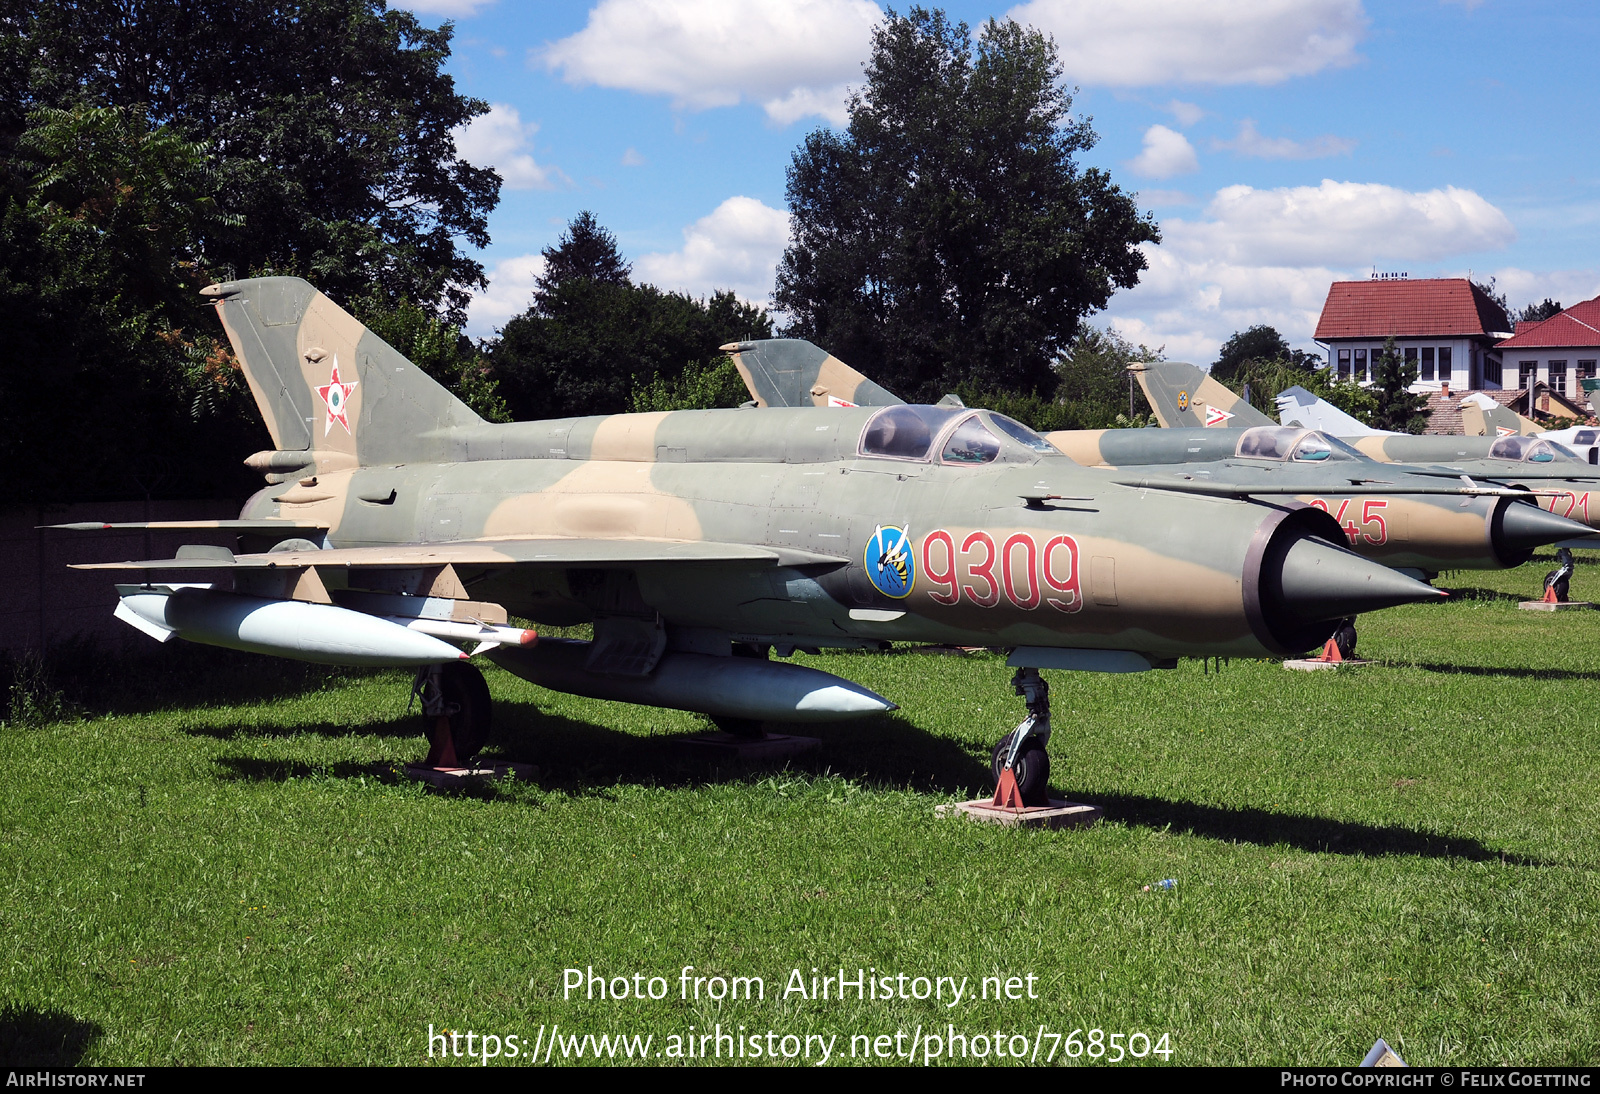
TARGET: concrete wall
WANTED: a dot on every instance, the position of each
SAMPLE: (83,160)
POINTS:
(43,602)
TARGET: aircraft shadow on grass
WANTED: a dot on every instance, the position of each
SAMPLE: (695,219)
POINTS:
(44,1038)
(1494,595)
(581,757)
(1513,671)
(585,759)
(401,727)
(1317,834)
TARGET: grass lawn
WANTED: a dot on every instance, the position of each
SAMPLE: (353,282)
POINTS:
(215,875)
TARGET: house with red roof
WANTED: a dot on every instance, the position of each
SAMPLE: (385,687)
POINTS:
(1447,326)
(1559,352)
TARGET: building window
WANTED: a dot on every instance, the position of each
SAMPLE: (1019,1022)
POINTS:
(1427,362)
(1444,365)
(1361,365)
(1411,360)
(1344,364)
(1527,372)
(1558,376)
(1585,370)
(1491,371)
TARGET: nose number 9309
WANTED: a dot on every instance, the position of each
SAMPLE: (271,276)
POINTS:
(1024,570)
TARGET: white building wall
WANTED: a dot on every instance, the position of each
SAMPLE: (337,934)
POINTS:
(1463,352)
(1579,361)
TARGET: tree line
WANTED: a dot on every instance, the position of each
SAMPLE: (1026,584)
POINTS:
(945,239)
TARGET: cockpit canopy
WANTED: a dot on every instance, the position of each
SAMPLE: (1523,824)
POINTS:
(1529,450)
(911,432)
(1286,443)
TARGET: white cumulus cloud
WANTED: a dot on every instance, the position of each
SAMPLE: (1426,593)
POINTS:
(794,58)
(736,246)
(1344,223)
(1166,153)
(1251,143)
(450,9)
(1523,287)
(499,139)
(510,293)
(1268,256)
(1184,113)
(1140,43)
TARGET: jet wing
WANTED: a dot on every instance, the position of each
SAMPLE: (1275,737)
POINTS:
(1219,486)
(266,526)
(550,551)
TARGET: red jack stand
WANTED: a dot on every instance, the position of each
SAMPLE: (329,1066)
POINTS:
(1007,795)
(442,750)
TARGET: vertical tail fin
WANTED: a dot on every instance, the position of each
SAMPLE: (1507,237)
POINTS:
(1297,406)
(1184,397)
(327,384)
(793,372)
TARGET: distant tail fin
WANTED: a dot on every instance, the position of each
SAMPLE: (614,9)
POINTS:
(1481,416)
(1184,397)
(1297,406)
(326,383)
(793,372)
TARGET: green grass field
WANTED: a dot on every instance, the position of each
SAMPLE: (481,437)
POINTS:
(196,871)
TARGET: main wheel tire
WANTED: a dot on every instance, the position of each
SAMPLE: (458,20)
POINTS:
(1031,770)
(465,689)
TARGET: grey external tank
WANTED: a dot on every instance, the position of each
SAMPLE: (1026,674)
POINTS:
(723,687)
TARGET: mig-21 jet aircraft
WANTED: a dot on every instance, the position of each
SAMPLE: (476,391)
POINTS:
(1561,481)
(398,528)
(1402,516)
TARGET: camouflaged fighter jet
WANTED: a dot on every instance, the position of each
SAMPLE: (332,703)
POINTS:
(1420,520)
(397,528)
(1560,481)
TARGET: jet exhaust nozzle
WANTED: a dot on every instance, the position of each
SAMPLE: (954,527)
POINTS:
(321,633)
(1303,582)
(724,687)
(1319,581)
(1518,528)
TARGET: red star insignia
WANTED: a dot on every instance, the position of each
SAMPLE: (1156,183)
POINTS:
(337,396)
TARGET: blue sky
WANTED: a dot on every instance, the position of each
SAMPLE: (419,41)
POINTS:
(1281,144)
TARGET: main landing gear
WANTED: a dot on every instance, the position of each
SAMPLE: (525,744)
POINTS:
(1021,765)
(455,712)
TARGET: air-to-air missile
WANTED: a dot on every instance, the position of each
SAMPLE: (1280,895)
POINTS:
(699,543)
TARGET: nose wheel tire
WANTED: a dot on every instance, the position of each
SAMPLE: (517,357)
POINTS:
(1031,769)
(468,706)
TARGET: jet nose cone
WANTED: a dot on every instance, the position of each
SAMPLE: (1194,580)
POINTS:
(1321,581)
(1521,527)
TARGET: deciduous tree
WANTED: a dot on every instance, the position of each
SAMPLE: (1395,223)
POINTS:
(948,236)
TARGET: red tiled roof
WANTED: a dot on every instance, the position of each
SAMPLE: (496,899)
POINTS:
(1436,307)
(1577,327)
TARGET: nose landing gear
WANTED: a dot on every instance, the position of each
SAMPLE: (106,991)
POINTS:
(1020,763)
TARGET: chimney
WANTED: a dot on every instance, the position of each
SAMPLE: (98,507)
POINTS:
(1444,389)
